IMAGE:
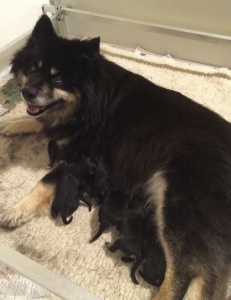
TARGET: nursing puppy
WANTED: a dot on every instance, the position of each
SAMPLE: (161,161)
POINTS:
(152,136)
(69,150)
(72,187)
(131,237)
(111,211)
(153,258)
(101,184)
(67,197)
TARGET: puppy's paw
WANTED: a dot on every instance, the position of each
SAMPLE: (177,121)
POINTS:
(14,217)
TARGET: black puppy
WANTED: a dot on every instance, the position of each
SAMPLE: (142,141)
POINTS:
(100,186)
(111,211)
(74,184)
(153,264)
(130,239)
(67,197)
(69,150)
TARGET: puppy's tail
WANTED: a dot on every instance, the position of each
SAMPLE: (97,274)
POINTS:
(100,231)
(134,268)
(65,220)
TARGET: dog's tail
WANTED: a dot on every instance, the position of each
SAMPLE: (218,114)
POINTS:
(100,231)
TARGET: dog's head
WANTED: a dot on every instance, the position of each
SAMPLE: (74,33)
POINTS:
(50,71)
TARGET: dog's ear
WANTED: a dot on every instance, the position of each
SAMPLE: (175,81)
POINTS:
(90,47)
(43,28)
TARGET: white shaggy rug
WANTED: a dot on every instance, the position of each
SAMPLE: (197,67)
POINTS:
(65,249)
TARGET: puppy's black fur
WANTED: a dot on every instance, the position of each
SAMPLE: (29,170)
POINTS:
(153,258)
(111,211)
(100,186)
(179,150)
(69,150)
(73,185)
(67,197)
(131,237)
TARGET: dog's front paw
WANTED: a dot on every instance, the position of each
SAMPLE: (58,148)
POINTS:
(20,126)
(9,128)
(13,217)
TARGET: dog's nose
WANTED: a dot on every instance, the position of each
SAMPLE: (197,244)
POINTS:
(29,93)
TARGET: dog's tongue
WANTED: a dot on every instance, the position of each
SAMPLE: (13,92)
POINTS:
(34,109)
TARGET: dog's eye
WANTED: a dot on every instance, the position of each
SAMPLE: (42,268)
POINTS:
(58,79)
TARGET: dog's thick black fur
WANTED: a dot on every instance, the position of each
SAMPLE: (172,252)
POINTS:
(178,150)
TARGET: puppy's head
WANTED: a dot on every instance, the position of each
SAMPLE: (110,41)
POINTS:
(51,70)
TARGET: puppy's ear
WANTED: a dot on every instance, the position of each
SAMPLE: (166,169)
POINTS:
(90,47)
(43,28)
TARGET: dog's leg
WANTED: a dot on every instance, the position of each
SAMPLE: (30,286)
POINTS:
(37,202)
(20,126)
(176,280)
(202,288)
(173,287)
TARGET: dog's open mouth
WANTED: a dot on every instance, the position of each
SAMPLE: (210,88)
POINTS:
(36,110)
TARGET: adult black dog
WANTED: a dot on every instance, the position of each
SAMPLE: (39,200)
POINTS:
(179,150)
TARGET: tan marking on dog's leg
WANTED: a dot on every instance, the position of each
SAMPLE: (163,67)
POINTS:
(166,291)
(222,284)
(195,289)
(172,285)
(20,126)
(156,188)
(37,202)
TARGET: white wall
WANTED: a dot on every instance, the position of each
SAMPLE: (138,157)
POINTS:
(17,17)
(209,16)
(204,15)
